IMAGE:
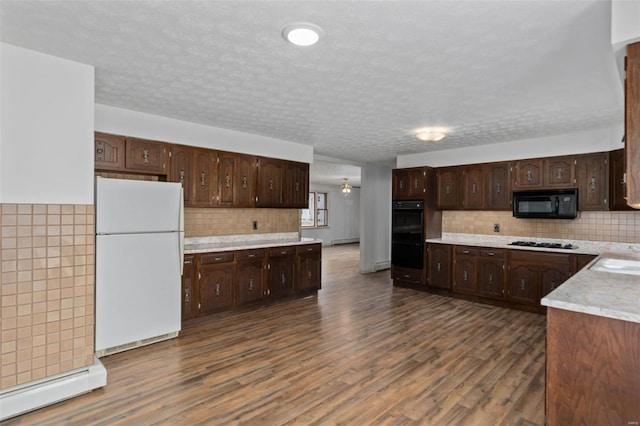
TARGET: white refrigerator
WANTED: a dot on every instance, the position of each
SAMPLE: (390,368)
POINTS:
(139,255)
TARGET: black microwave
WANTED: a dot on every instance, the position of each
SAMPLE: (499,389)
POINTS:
(546,204)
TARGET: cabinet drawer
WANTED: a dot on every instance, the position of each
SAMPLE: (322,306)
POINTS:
(308,249)
(206,259)
(492,253)
(467,250)
(407,274)
(250,255)
(282,251)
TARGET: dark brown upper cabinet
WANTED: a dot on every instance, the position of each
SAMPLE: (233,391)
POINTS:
(473,187)
(145,156)
(269,182)
(529,174)
(447,188)
(559,172)
(409,184)
(296,185)
(205,178)
(617,181)
(109,152)
(182,158)
(592,171)
(498,178)
(245,181)
(632,124)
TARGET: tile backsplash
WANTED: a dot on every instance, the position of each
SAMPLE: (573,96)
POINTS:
(623,227)
(47,290)
(201,222)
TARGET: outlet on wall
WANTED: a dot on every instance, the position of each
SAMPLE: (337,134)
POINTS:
(496,227)
(254,225)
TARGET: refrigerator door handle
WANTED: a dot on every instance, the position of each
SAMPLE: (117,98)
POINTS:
(181,232)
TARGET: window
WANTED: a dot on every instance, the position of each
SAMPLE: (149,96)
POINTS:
(317,214)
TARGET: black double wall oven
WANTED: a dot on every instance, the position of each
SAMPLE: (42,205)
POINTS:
(407,234)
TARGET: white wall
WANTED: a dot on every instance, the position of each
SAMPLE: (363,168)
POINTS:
(46,137)
(625,22)
(344,217)
(375,217)
(603,139)
(120,121)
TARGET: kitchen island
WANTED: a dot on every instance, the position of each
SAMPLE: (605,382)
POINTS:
(593,346)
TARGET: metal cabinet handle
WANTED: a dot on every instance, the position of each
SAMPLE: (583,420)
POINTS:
(251,256)
(187,296)
(251,284)
(529,175)
(244,182)
(217,289)
(473,188)
(438,267)
(498,187)
(559,173)
(100,152)
(283,279)
(203,179)
(523,284)
(181,175)
(593,183)
(227,181)
(145,156)
(271,183)
(465,252)
(465,275)
(490,279)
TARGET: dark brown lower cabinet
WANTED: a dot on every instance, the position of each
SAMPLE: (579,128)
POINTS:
(533,275)
(282,262)
(491,266)
(250,276)
(407,276)
(465,270)
(439,261)
(309,267)
(216,282)
(592,366)
(189,292)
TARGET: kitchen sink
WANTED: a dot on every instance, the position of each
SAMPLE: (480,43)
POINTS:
(617,266)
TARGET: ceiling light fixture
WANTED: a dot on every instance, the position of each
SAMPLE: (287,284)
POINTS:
(346,188)
(302,34)
(431,135)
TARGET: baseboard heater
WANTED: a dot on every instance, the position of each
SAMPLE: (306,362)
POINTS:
(137,344)
(40,393)
(345,241)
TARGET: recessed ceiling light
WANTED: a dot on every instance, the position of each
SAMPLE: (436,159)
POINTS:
(302,34)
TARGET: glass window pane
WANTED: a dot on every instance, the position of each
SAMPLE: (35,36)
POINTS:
(322,200)
(307,215)
(322,217)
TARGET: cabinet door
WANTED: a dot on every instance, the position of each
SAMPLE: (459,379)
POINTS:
(583,260)
(147,156)
(269,182)
(281,280)
(523,286)
(216,283)
(592,173)
(226,172)
(296,185)
(182,170)
(439,258)
(109,152)
(417,188)
(401,184)
(308,272)
(249,281)
(529,174)
(617,181)
(498,178)
(189,291)
(473,187)
(552,276)
(245,181)
(491,277)
(447,192)
(465,271)
(559,172)
(205,178)
(632,124)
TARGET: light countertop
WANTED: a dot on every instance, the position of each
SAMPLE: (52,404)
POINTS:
(605,294)
(195,245)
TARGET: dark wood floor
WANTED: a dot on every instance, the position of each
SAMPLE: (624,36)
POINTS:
(361,353)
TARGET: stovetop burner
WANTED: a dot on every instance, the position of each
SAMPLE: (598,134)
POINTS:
(543,245)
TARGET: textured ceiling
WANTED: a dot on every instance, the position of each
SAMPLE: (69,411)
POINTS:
(491,71)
